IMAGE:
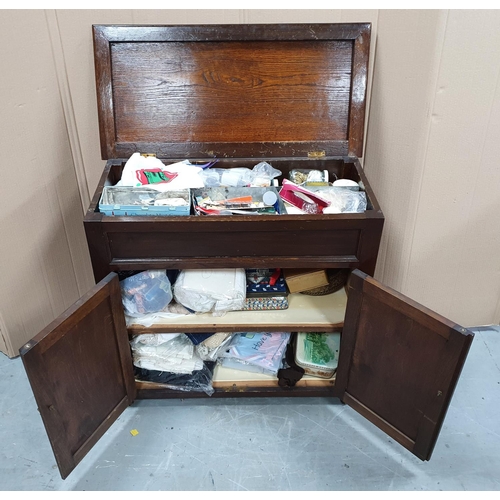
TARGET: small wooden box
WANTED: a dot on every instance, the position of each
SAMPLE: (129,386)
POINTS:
(301,280)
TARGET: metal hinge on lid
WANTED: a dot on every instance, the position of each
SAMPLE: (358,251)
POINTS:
(316,154)
(147,155)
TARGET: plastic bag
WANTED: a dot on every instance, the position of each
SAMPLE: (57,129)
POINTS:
(210,348)
(231,177)
(343,200)
(174,363)
(181,175)
(176,356)
(258,352)
(197,381)
(263,173)
(146,292)
(154,338)
(260,175)
(309,177)
(211,290)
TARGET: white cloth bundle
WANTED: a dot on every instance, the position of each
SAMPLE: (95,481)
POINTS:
(176,355)
(215,290)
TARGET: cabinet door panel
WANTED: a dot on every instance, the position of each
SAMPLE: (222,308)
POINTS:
(399,363)
(80,370)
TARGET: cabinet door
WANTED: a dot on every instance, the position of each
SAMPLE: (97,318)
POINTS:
(399,363)
(80,370)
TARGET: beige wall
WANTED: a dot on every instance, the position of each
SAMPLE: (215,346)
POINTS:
(430,154)
(432,157)
(44,265)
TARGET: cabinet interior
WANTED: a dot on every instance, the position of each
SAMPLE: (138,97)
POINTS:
(305,313)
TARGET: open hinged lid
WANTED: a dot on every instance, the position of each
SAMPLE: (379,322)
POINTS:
(232,90)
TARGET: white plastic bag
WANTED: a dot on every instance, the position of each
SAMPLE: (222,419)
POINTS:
(187,175)
(344,200)
(176,355)
(211,290)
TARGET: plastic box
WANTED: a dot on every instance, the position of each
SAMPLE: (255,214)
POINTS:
(130,201)
(318,353)
(238,201)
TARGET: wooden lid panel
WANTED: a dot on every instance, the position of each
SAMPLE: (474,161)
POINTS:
(234,91)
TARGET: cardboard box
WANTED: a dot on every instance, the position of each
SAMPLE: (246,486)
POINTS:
(301,280)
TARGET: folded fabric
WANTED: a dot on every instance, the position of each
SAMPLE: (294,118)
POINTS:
(176,355)
(210,347)
(155,176)
(154,338)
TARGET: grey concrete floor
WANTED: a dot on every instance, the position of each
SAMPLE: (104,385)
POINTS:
(282,444)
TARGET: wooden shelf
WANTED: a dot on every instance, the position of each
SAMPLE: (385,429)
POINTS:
(230,378)
(305,313)
(228,382)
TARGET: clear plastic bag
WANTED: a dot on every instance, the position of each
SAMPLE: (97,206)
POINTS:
(210,348)
(176,356)
(309,177)
(263,174)
(343,200)
(260,175)
(231,177)
(154,338)
(258,352)
(146,292)
(197,381)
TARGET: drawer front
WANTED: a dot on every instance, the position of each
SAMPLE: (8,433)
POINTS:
(197,242)
(143,245)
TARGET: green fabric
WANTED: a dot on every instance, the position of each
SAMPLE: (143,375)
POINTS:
(155,177)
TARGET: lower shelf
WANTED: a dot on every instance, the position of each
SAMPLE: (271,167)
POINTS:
(226,378)
(229,383)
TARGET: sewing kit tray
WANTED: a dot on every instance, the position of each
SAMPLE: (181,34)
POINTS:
(129,201)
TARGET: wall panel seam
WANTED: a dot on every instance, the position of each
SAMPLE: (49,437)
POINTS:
(71,130)
(5,342)
(424,161)
(67,105)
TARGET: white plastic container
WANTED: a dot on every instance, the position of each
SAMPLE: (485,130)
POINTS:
(318,353)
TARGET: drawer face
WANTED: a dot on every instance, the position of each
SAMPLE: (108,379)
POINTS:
(199,242)
(118,244)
